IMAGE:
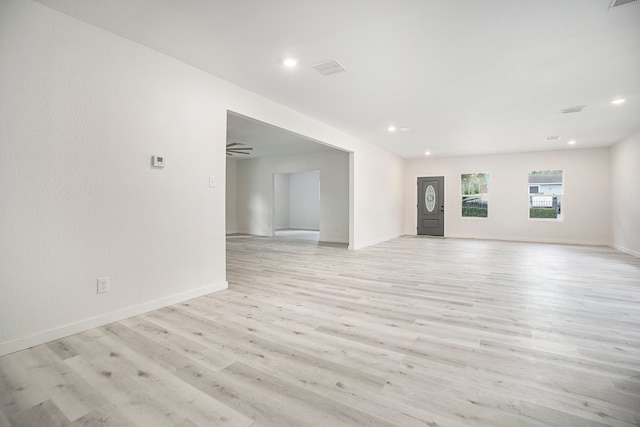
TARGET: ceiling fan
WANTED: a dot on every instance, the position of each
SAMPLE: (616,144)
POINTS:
(233,148)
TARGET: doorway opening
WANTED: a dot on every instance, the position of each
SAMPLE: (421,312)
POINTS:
(318,179)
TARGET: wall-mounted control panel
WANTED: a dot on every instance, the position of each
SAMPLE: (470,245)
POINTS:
(158,161)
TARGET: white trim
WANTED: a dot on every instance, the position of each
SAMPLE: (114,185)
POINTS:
(94,322)
(372,242)
(625,250)
(523,240)
(334,239)
(530,240)
(561,219)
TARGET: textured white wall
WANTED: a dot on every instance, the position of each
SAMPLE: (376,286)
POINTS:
(304,200)
(281,204)
(625,197)
(230,199)
(81,113)
(379,199)
(255,191)
(585,205)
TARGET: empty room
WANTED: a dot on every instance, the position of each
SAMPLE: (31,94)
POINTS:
(305,213)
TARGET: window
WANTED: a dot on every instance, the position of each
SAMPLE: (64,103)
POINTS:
(474,188)
(545,194)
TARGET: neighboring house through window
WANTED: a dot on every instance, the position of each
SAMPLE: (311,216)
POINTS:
(545,194)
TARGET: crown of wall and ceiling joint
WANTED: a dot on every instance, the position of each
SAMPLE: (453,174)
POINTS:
(574,109)
(329,67)
(618,3)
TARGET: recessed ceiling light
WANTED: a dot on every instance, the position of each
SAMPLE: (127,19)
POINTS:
(391,128)
(618,101)
(290,62)
(572,142)
(427,153)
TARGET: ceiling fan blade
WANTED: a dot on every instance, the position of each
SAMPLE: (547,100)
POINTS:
(237,148)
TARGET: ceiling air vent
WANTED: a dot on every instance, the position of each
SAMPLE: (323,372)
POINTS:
(574,109)
(553,138)
(329,67)
(618,3)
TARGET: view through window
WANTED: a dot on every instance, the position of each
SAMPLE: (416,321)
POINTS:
(474,188)
(545,194)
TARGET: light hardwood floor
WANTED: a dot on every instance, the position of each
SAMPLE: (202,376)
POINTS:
(410,332)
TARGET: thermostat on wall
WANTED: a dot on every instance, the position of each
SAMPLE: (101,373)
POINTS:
(158,161)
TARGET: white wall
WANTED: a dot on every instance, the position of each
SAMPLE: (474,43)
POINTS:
(379,199)
(625,195)
(585,204)
(296,202)
(281,205)
(255,192)
(304,199)
(230,197)
(82,111)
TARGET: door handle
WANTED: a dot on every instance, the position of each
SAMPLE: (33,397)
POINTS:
(442,208)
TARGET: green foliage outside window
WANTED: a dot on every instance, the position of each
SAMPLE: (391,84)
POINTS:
(543,213)
(474,189)
(475,211)
(472,184)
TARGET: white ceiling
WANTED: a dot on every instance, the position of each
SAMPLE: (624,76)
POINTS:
(471,76)
(265,139)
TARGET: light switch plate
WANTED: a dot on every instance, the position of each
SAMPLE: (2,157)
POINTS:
(158,161)
(212,181)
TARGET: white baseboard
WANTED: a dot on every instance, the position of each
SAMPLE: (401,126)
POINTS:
(94,322)
(625,250)
(372,242)
(505,239)
(333,239)
(336,241)
(527,240)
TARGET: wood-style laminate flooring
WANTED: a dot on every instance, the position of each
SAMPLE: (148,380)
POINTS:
(410,332)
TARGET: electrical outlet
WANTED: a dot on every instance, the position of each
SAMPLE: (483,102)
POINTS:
(103,285)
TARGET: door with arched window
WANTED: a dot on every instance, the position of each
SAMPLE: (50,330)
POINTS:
(431,206)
